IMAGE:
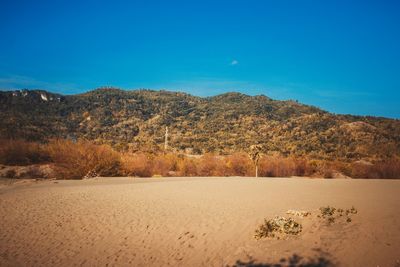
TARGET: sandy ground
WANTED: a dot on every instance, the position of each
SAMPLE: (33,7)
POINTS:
(195,222)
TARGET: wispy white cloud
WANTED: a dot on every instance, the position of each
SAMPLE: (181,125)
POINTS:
(234,62)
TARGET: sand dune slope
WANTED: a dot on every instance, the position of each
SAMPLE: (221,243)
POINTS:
(195,222)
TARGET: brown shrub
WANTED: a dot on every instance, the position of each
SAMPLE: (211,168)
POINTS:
(211,165)
(147,165)
(328,173)
(165,164)
(238,164)
(301,167)
(389,169)
(10,174)
(139,164)
(361,169)
(385,169)
(277,167)
(327,169)
(315,167)
(33,172)
(21,152)
(342,167)
(187,167)
(76,160)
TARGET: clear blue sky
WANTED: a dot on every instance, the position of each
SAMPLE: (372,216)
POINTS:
(343,56)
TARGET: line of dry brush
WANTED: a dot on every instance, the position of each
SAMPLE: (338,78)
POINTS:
(75,160)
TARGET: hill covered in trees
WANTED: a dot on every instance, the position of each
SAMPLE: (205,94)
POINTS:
(223,124)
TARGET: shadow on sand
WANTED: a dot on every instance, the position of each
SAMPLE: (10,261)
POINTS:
(292,261)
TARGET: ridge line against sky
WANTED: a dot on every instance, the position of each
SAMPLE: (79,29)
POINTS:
(342,57)
(190,93)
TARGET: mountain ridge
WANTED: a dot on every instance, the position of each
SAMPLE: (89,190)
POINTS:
(135,120)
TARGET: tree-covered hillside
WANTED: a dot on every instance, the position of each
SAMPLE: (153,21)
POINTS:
(136,120)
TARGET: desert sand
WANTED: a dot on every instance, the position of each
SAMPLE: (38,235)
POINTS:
(195,222)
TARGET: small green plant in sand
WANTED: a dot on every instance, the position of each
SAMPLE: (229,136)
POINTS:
(278,227)
(332,214)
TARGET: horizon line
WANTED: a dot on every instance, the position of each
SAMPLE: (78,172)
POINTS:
(194,95)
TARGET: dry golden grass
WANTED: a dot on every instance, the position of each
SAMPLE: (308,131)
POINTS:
(187,167)
(165,165)
(138,164)
(276,166)
(20,152)
(75,160)
(389,169)
(239,164)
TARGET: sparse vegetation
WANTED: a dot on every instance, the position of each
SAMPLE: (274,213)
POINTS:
(74,160)
(277,227)
(292,261)
(137,165)
(389,169)
(21,152)
(299,213)
(332,214)
(135,121)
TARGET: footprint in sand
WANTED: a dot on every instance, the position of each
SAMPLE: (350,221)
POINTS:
(186,237)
